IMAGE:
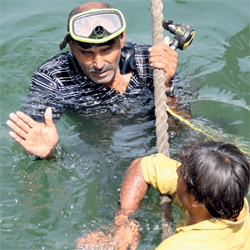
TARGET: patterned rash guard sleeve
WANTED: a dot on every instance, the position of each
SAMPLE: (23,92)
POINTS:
(43,93)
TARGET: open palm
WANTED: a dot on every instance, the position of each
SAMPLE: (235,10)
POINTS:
(36,138)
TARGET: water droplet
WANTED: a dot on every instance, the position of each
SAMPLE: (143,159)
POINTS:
(172,134)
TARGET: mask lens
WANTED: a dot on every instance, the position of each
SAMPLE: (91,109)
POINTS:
(83,26)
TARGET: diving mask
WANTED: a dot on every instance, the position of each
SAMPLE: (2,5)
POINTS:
(96,27)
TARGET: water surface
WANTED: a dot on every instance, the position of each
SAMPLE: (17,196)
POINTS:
(48,204)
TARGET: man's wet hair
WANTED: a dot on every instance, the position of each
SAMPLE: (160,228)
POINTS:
(218,175)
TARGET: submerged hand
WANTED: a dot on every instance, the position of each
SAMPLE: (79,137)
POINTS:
(36,138)
(127,232)
(163,57)
(121,236)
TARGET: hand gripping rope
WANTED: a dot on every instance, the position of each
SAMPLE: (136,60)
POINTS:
(183,38)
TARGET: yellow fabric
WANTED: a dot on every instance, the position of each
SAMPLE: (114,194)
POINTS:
(159,171)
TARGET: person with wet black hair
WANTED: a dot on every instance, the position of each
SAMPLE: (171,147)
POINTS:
(210,184)
(218,176)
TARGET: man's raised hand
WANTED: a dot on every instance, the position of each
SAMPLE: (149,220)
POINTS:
(36,138)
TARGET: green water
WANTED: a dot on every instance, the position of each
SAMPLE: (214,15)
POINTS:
(48,204)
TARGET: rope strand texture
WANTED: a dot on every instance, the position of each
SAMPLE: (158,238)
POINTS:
(161,114)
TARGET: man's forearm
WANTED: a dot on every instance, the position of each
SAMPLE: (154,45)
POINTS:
(133,188)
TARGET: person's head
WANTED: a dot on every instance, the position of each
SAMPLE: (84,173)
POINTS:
(96,34)
(217,174)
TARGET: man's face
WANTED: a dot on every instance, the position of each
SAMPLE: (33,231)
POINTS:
(99,63)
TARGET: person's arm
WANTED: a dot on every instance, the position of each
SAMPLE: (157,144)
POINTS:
(125,233)
(141,172)
(157,170)
(133,188)
(36,138)
(33,126)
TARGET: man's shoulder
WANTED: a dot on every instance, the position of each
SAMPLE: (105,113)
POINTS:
(140,47)
(60,60)
(59,64)
(61,69)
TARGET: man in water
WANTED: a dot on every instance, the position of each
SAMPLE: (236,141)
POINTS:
(99,71)
(210,184)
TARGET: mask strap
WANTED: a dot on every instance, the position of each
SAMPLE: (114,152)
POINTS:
(66,39)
